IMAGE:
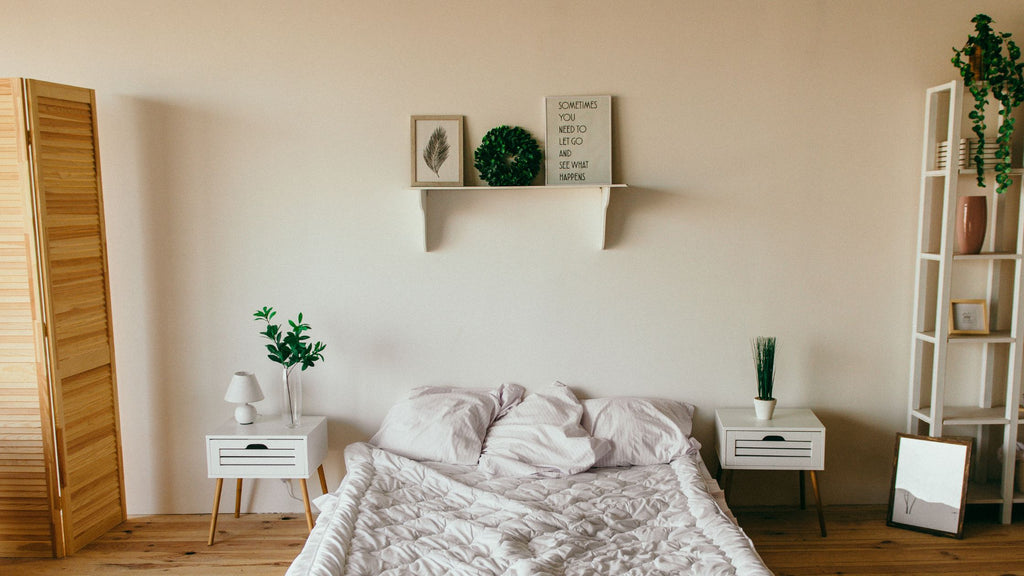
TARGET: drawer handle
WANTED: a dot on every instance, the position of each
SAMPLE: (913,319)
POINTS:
(256,447)
(773,438)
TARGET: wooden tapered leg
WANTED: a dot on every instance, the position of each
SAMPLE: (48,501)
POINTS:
(305,500)
(727,482)
(817,499)
(238,495)
(323,479)
(216,506)
(803,492)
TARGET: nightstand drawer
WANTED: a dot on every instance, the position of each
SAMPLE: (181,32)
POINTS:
(785,449)
(266,449)
(253,457)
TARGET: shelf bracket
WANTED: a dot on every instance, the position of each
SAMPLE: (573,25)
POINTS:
(606,200)
(423,219)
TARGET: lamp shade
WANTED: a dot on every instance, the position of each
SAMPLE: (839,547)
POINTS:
(244,388)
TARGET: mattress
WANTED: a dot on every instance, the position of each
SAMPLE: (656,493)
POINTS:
(392,516)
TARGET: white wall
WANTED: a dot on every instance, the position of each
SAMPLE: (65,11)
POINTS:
(256,153)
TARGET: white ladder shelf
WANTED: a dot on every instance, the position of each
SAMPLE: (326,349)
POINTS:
(998,385)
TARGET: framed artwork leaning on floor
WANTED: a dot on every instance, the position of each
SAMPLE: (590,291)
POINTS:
(929,484)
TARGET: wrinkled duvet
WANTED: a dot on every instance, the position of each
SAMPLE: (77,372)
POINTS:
(395,516)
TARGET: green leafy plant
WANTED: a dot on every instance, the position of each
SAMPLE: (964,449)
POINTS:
(508,156)
(764,365)
(989,70)
(289,348)
(436,151)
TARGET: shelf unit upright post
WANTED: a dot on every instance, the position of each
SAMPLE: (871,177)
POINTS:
(927,411)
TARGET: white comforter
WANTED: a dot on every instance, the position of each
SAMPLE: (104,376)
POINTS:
(395,516)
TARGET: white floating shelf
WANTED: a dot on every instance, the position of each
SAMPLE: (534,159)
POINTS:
(604,190)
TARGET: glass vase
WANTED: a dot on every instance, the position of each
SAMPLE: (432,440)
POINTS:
(292,395)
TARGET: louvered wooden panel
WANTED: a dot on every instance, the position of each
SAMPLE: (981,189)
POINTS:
(28,496)
(93,462)
(73,260)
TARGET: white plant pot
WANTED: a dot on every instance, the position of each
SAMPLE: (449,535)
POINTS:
(764,409)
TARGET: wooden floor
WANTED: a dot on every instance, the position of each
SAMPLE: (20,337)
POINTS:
(254,544)
(858,543)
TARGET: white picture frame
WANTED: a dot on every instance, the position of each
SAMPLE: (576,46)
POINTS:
(437,144)
(929,484)
(578,134)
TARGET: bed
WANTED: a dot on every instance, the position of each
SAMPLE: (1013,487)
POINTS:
(500,482)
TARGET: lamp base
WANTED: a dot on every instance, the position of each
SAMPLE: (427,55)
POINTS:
(245,414)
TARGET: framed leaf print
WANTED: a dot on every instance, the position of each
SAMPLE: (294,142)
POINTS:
(436,150)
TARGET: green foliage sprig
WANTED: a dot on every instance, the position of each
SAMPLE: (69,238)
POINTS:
(289,348)
(764,365)
(508,156)
(436,151)
(987,70)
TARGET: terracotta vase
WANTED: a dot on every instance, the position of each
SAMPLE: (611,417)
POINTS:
(971,216)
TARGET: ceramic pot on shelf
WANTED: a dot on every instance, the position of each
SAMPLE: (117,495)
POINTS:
(971,217)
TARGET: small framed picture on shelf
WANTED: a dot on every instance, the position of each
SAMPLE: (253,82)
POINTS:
(929,484)
(968,317)
(436,150)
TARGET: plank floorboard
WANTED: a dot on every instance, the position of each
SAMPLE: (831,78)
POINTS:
(858,544)
(254,544)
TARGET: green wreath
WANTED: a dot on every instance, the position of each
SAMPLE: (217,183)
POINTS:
(508,156)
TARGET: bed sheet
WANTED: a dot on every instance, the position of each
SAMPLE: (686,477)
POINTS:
(393,516)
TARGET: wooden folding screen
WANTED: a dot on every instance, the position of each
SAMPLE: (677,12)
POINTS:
(61,478)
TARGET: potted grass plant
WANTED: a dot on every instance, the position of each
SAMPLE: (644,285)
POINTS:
(291,350)
(764,367)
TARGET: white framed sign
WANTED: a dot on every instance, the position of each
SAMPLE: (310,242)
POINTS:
(578,149)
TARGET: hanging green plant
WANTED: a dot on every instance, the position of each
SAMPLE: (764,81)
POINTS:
(508,156)
(986,71)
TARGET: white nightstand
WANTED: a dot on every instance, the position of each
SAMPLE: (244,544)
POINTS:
(793,440)
(266,449)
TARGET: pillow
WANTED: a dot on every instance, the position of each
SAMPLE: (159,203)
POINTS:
(642,431)
(444,423)
(541,436)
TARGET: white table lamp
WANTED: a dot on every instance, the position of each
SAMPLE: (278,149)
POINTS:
(244,388)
